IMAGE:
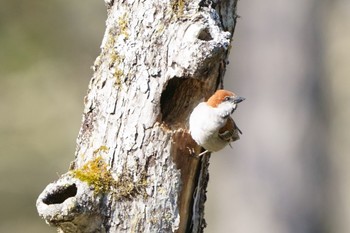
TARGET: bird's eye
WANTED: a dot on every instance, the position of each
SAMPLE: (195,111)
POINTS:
(227,98)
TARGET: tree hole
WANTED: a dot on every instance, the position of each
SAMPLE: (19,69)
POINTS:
(61,194)
(178,100)
(205,35)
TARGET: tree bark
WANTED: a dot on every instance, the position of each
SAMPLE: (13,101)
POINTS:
(133,170)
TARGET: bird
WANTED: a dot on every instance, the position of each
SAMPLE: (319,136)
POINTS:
(211,125)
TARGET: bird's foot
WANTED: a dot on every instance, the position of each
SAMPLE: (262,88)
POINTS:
(193,152)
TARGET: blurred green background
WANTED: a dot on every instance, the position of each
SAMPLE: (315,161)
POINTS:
(47,48)
(289,173)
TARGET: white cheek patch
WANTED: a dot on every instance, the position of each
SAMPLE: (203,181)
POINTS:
(226,115)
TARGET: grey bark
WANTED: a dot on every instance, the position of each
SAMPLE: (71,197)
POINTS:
(133,170)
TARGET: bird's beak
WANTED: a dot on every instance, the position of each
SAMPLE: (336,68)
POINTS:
(238,99)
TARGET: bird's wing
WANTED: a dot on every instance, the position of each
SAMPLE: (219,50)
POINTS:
(229,132)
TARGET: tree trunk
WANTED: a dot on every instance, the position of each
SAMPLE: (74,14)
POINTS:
(133,170)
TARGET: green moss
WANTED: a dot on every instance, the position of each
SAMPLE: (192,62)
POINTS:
(104,149)
(115,58)
(160,28)
(117,75)
(111,40)
(178,7)
(126,188)
(123,25)
(96,174)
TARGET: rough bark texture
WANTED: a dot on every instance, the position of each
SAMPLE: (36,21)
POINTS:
(133,171)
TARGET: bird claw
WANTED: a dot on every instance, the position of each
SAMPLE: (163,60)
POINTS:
(203,153)
(193,153)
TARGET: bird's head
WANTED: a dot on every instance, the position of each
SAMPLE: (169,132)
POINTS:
(224,102)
